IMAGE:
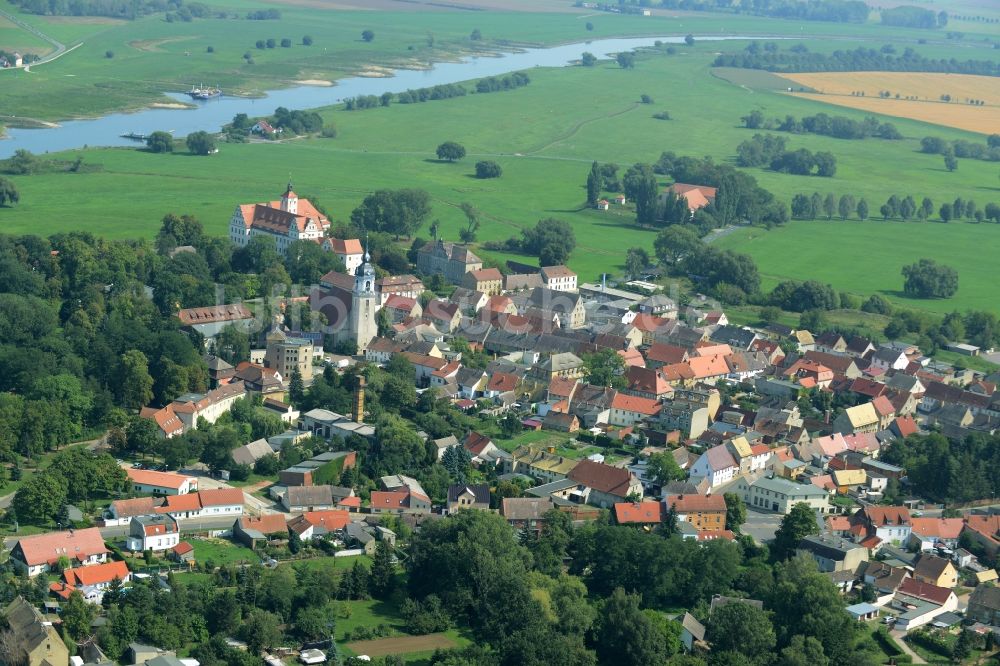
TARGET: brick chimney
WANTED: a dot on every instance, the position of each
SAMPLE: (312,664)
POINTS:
(358,410)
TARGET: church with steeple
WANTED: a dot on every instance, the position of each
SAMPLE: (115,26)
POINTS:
(350,304)
(286,220)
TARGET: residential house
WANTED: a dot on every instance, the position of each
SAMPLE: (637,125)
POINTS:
(183,552)
(984,605)
(120,512)
(936,571)
(308,498)
(660,305)
(161,483)
(604,485)
(890,524)
(400,494)
(538,464)
(468,496)
(735,336)
(312,524)
(639,513)
(833,553)
(858,419)
(451,260)
(156,533)
(646,383)
(841,365)
(526,514)
(831,343)
(566,306)
(921,603)
(250,453)
(29,639)
(206,503)
(660,354)
(888,358)
(696,196)
(92,581)
(628,410)
(703,512)
(287,354)
(398,309)
(561,422)
(41,553)
(558,278)
(408,286)
(254,530)
(779,495)
(486,280)
(471,382)
(258,379)
(716,465)
(984,531)
(928,533)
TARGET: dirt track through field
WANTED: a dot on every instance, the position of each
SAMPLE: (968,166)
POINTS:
(401,645)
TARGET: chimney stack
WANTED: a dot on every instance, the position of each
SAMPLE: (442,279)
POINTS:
(358,412)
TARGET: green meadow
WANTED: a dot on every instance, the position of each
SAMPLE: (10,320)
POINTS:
(866,257)
(152,55)
(544,136)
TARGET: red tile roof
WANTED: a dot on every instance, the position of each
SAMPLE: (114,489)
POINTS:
(684,504)
(270,523)
(925,591)
(221,497)
(346,246)
(906,426)
(381,499)
(331,519)
(641,512)
(502,382)
(605,478)
(887,515)
(183,548)
(158,479)
(97,574)
(476,443)
(48,548)
(938,528)
(666,354)
(636,404)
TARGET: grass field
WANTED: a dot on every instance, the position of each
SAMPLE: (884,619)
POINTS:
(866,257)
(402,645)
(152,56)
(222,552)
(544,135)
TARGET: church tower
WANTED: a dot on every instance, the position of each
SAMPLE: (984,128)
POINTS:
(364,305)
(290,201)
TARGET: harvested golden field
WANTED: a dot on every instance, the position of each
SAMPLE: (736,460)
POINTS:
(919,96)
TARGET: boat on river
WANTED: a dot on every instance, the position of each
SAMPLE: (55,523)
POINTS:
(199,92)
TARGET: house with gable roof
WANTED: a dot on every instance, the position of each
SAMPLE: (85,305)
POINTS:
(156,533)
(33,640)
(716,465)
(41,553)
(348,250)
(890,524)
(468,496)
(858,419)
(603,485)
(696,196)
(628,410)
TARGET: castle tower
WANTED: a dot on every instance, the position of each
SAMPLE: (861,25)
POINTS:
(290,201)
(364,305)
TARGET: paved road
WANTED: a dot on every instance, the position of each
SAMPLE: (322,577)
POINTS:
(716,234)
(254,505)
(898,635)
(761,525)
(59,47)
(189,525)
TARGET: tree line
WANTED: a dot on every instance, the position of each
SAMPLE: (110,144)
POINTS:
(768,151)
(438,92)
(125,9)
(896,207)
(908,16)
(946,469)
(839,127)
(799,59)
(834,11)
(989,151)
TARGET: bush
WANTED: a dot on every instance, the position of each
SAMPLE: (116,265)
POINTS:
(210,49)
(662,115)
(307,40)
(109,54)
(329,132)
(488,169)
(646,99)
(425,617)
(286,43)
(368,35)
(271,43)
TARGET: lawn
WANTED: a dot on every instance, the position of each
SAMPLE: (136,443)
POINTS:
(866,257)
(540,439)
(222,552)
(545,136)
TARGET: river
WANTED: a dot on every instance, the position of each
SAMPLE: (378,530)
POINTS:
(211,115)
